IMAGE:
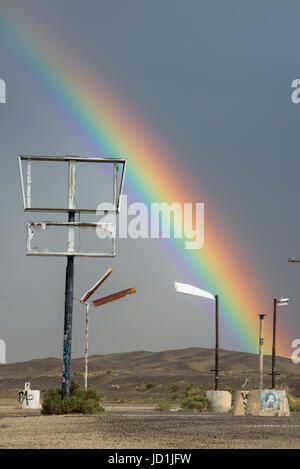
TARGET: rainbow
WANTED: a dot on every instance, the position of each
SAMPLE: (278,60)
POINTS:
(106,125)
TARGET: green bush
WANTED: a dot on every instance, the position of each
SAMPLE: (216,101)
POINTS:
(193,390)
(162,406)
(149,386)
(188,389)
(80,401)
(175,388)
(228,389)
(199,403)
(294,403)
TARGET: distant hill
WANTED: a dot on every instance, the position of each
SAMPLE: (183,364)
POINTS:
(166,373)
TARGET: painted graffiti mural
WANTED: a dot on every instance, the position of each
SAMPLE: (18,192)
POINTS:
(66,356)
(244,396)
(270,400)
(25,396)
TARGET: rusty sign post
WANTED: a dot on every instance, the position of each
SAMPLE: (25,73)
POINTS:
(101,301)
(84,300)
(70,251)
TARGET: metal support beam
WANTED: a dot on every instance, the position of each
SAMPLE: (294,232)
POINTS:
(28,195)
(66,376)
(66,372)
(86,351)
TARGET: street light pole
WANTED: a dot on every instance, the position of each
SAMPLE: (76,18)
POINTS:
(274,342)
(191,290)
(261,350)
(217,344)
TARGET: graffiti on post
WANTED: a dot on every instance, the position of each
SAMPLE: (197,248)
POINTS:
(66,355)
(244,395)
(270,400)
(25,396)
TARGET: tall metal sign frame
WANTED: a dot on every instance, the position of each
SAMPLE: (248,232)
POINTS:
(71,224)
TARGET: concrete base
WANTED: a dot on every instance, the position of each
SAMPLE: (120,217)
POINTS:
(267,402)
(240,402)
(29,399)
(220,401)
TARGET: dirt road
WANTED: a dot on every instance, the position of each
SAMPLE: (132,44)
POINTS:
(149,429)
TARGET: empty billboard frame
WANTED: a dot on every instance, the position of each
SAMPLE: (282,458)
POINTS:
(119,169)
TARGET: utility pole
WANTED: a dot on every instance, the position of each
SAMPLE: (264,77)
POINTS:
(217,344)
(274,342)
(261,350)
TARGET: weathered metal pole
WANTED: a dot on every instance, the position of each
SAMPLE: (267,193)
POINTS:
(86,345)
(274,342)
(261,350)
(66,373)
(66,380)
(217,344)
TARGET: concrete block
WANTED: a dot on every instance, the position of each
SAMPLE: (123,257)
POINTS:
(267,402)
(220,401)
(240,402)
(29,399)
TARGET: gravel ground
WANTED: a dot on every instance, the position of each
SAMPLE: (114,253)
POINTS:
(151,430)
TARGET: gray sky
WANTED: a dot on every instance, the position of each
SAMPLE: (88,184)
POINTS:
(213,79)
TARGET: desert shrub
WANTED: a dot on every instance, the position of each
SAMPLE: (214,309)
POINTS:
(294,403)
(188,389)
(162,406)
(175,396)
(196,402)
(149,386)
(192,390)
(92,395)
(228,389)
(80,401)
(52,402)
(175,388)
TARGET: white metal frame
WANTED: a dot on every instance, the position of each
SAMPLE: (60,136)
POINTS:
(71,160)
(31,225)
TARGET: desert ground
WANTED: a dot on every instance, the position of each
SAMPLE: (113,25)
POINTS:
(140,428)
(144,379)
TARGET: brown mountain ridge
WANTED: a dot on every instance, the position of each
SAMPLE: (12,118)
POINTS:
(145,376)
